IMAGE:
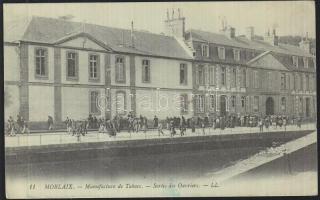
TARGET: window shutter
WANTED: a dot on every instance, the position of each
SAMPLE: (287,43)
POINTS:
(248,78)
(117,70)
(46,57)
(197,75)
(218,103)
(107,61)
(287,81)
(217,74)
(291,81)
(304,83)
(186,74)
(143,72)
(77,65)
(124,69)
(206,77)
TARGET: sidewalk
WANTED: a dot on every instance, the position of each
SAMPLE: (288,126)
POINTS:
(61,137)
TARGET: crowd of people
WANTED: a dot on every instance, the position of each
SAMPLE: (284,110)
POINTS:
(135,124)
(20,126)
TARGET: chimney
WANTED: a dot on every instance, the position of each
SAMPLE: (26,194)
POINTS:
(271,38)
(250,32)
(305,44)
(229,31)
(175,26)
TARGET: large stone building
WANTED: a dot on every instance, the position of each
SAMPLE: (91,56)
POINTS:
(64,68)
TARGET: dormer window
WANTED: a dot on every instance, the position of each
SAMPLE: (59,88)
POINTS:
(205,50)
(221,53)
(305,62)
(236,54)
(295,61)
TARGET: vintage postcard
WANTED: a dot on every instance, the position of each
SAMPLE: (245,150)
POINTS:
(172,99)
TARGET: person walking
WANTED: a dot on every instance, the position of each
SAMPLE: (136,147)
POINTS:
(284,123)
(25,127)
(182,126)
(193,125)
(50,122)
(155,121)
(172,130)
(160,127)
(203,126)
(11,126)
(260,123)
(144,124)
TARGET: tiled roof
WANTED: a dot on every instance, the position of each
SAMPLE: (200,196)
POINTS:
(49,30)
(288,64)
(243,42)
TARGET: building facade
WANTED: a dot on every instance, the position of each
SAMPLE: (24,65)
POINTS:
(70,69)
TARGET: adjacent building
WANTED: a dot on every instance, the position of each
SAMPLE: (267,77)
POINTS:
(70,69)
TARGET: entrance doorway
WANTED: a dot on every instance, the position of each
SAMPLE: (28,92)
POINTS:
(269,106)
(307,107)
(223,105)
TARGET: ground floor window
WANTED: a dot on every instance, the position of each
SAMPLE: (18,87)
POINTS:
(283,104)
(212,102)
(184,103)
(233,101)
(94,108)
(120,103)
(255,103)
(200,103)
(243,102)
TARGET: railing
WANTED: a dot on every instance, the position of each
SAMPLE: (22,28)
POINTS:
(37,139)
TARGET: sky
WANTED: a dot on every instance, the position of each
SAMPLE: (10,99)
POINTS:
(290,18)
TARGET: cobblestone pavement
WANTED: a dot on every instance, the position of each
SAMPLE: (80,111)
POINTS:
(37,139)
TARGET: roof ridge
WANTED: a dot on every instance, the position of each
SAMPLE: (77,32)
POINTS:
(103,26)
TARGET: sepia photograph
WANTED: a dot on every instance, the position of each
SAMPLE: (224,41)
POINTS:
(160,99)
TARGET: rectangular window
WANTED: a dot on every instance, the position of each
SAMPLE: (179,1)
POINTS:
(233,101)
(120,102)
(236,54)
(256,79)
(183,74)
(184,103)
(211,75)
(93,66)
(41,62)
(72,61)
(307,82)
(234,77)
(200,76)
(205,50)
(221,53)
(295,61)
(94,109)
(223,76)
(283,81)
(146,71)
(305,62)
(243,102)
(120,69)
(269,80)
(244,78)
(301,82)
(200,103)
(256,104)
(295,80)
(212,102)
